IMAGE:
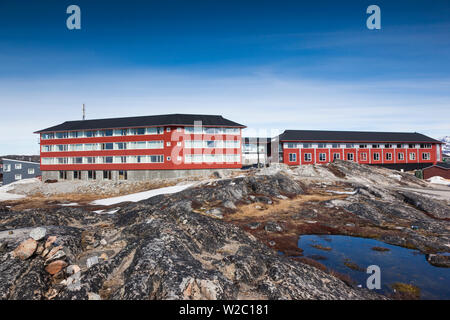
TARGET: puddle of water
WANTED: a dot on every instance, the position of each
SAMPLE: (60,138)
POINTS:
(397,265)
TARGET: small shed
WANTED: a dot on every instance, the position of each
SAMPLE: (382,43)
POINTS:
(441,169)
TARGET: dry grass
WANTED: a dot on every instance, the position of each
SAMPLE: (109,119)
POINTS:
(279,207)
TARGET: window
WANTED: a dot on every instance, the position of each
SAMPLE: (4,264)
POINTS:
(412,156)
(63,175)
(426,156)
(168,129)
(210,144)
(350,156)
(336,156)
(107,175)
(7,168)
(30,170)
(107,146)
(121,145)
(90,134)
(18,166)
(335,145)
(62,160)
(292,157)
(388,146)
(322,157)
(47,136)
(307,145)
(363,156)
(157,159)
(90,160)
(401,156)
(46,148)
(123,175)
(155,144)
(375,146)
(108,133)
(179,129)
(349,145)
(322,145)
(107,159)
(363,146)
(92,175)
(411,146)
(77,160)
(62,135)
(77,175)
(18,177)
(399,145)
(376,156)
(308,157)
(425,146)
(388,156)
(291,145)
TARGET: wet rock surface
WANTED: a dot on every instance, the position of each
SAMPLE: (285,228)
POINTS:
(166,247)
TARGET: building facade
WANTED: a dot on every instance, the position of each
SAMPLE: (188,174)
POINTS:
(139,148)
(255,151)
(394,149)
(15,170)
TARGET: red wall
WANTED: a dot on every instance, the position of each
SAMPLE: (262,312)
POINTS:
(436,171)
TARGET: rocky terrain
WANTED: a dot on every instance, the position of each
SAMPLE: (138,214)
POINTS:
(219,239)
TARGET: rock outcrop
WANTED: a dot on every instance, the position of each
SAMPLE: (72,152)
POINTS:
(166,247)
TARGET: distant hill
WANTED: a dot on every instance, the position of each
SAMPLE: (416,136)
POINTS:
(32,158)
(446,146)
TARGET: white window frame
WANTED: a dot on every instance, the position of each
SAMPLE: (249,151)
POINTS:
(292,156)
(17,166)
(17,176)
(30,170)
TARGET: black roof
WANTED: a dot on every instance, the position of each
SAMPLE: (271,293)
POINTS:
(354,136)
(129,122)
(445,165)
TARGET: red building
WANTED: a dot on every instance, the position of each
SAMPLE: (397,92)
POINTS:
(441,169)
(137,148)
(391,149)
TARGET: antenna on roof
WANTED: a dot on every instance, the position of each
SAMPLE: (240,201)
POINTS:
(84,112)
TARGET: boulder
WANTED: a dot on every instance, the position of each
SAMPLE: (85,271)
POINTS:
(38,233)
(26,249)
(56,266)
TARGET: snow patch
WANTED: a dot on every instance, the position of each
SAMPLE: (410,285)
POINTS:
(135,197)
(439,180)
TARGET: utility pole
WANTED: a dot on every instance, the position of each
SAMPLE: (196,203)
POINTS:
(84,112)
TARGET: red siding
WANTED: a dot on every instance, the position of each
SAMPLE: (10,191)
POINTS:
(436,171)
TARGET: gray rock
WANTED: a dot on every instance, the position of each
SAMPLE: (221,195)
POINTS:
(38,233)
(229,205)
(273,227)
(91,261)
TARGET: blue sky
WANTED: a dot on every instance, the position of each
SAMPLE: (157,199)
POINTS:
(271,65)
